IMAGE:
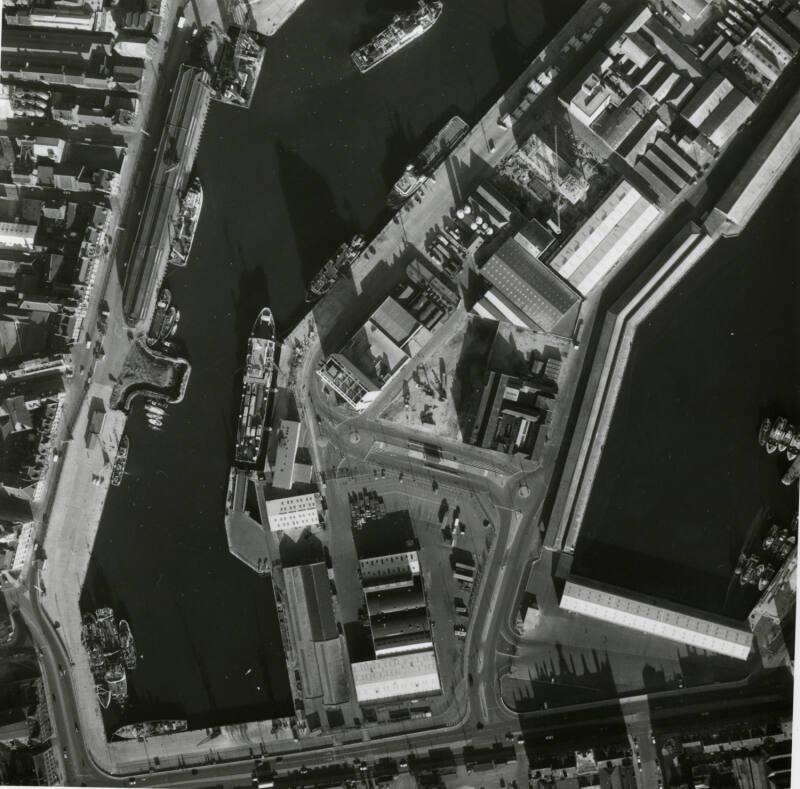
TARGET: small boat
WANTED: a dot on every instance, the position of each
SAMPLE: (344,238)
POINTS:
(772,535)
(786,546)
(763,433)
(766,574)
(103,696)
(749,574)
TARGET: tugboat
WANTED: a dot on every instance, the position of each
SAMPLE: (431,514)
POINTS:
(334,267)
(118,470)
(402,30)
(185,224)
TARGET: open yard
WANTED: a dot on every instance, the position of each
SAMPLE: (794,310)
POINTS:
(442,392)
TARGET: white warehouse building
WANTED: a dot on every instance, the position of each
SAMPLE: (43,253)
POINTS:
(396,676)
(600,602)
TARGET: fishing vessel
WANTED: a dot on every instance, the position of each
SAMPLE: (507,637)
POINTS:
(257,386)
(185,224)
(165,319)
(127,644)
(141,731)
(750,573)
(772,535)
(765,576)
(334,267)
(402,30)
(121,460)
(780,436)
(431,156)
(112,654)
(763,431)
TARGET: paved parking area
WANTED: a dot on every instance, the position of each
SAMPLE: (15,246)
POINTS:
(431,509)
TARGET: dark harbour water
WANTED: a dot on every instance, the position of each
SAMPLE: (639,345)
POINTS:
(683,482)
(306,167)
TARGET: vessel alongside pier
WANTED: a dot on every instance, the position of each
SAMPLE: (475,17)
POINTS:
(120,462)
(165,320)
(257,390)
(402,30)
(112,654)
(780,436)
(185,225)
(335,267)
(149,729)
(431,156)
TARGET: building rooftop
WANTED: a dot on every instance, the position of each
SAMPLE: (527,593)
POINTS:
(396,676)
(530,285)
(392,601)
(396,567)
(288,443)
(309,593)
(613,605)
(394,320)
(293,512)
(535,237)
(605,237)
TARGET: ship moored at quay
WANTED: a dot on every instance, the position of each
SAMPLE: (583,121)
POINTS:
(185,224)
(335,266)
(431,156)
(402,30)
(257,390)
(147,729)
(120,462)
(112,654)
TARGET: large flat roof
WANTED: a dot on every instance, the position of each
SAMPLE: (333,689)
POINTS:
(530,285)
(288,442)
(309,593)
(601,602)
(388,567)
(389,601)
(396,676)
(604,238)
(394,320)
(293,512)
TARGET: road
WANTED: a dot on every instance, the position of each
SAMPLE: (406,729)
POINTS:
(544,734)
(486,719)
